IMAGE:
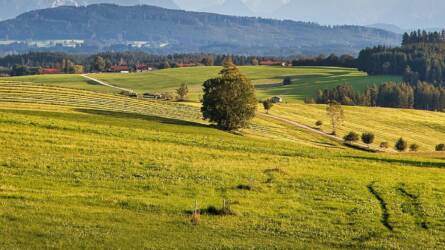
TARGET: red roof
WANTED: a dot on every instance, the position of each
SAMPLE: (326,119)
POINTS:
(271,63)
(47,71)
(119,68)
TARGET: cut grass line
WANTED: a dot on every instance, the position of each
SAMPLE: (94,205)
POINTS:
(385,213)
(413,206)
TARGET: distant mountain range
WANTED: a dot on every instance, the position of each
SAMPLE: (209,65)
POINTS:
(13,8)
(111,27)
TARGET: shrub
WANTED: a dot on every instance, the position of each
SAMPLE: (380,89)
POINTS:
(351,137)
(287,81)
(384,145)
(318,123)
(267,104)
(244,187)
(368,138)
(182,92)
(401,145)
(414,147)
(440,147)
(224,211)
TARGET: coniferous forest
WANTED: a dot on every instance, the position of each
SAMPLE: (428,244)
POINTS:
(421,61)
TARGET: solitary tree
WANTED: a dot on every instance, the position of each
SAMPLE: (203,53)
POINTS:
(267,104)
(229,100)
(440,147)
(336,114)
(368,138)
(99,64)
(401,145)
(182,92)
(319,124)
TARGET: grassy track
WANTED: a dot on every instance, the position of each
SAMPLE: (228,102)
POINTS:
(306,80)
(104,171)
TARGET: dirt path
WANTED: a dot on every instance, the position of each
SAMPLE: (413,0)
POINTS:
(316,131)
(106,84)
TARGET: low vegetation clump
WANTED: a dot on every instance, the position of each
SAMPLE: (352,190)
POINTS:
(368,138)
(267,105)
(401,145)
(414,147)
(440,147)
(287,81)
(351,137)
(384,145)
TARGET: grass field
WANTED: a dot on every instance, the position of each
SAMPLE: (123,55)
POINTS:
(306,80)
(96,170)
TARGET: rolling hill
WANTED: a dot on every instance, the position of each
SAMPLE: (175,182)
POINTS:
(105,27)
(115,171)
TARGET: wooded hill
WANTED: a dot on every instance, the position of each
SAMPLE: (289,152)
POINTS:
(107,26)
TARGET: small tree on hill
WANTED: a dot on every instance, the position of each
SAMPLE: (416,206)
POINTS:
(351,137)
(182,92)
(336,114)
(229,100)
(267,104)
(287,81)
(401,145)
(368,138)
(99,64)
(319,124)
(414,147)
(440,147)
(384,145)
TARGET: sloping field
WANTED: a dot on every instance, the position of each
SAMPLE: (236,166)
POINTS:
(425,128)
(104,171)
(306,80)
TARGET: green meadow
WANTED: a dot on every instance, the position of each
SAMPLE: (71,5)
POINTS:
(306,80)
(90,169)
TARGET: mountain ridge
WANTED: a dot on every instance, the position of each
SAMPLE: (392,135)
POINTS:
(181,31)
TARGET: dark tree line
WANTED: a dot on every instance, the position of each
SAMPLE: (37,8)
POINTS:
(420,36)
(423,96)
(333,60)
(421,61)
(29,62)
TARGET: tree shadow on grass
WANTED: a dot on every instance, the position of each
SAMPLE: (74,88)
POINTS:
(414,163)
(91,82)
(152,118)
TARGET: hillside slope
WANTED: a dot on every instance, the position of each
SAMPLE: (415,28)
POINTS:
(104,176)
(168,31)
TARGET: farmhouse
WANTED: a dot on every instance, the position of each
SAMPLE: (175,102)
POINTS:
(274,63)
(120,68)
(49,71)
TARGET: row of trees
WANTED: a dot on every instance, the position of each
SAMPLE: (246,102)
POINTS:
(420,36)
(331,60)
(103,61)
(423,96)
